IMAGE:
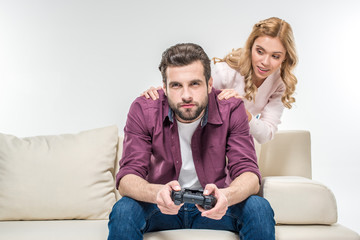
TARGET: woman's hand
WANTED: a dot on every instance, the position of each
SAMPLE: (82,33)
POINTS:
(228,93)
(152,93)
(249,115)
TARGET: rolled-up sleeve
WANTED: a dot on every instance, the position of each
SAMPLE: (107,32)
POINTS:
(240,145)
(137,143)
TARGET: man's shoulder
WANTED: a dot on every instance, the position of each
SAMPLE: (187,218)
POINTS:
(221,110)
(146,103)
(147,113)
(231,102)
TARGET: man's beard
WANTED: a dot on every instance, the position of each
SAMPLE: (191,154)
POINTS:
(188,114)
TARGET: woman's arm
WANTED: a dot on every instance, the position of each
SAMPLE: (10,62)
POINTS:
(264,128)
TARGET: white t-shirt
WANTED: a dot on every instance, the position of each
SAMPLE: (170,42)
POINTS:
(188,177)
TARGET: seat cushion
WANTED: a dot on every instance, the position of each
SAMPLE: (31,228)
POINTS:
(97,230)
(54,230)
(315,232)
(192,234)
(69,176)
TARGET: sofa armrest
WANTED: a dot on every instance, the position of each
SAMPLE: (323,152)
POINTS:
(299,200)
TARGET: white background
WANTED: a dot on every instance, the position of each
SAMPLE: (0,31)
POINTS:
(72,65)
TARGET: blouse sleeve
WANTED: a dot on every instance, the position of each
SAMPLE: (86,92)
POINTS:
(264,128)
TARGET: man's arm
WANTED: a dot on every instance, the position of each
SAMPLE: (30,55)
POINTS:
(139,189)
(242,165)
(241,188)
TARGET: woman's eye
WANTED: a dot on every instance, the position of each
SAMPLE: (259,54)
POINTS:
(259,51)
(276,56)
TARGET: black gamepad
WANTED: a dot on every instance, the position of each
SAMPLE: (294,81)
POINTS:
(193,196)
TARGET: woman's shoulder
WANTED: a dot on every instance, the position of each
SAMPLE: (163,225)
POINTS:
(223,67)
(224,76)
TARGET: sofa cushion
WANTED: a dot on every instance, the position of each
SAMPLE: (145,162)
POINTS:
(315,232)
(98,230)
(299,200)
(54,230)
(187,234)
(69,176)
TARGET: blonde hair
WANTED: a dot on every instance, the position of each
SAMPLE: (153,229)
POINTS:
(240,59)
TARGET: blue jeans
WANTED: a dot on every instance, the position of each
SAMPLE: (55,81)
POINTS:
(252,219)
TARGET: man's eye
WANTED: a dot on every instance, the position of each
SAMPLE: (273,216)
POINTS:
(175,85)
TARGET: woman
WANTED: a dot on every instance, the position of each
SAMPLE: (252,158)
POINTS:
(260,74)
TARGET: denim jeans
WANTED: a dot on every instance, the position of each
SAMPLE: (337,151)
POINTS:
(252,219)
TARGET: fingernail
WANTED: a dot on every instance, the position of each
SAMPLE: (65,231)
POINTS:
(206,192)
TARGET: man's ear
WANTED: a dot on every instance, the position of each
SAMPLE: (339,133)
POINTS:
(210,84)
(164,88)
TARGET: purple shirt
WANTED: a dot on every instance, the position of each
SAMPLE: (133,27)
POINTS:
(151,148)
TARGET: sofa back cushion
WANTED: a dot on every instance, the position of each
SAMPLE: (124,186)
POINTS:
(69,176)
(288,154)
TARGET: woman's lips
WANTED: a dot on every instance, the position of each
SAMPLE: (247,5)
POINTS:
(263,70)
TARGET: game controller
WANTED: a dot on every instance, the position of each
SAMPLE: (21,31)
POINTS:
(193,196)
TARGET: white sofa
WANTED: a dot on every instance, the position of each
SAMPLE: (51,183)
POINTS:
(62,187)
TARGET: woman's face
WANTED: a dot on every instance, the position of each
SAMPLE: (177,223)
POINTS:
(267,55)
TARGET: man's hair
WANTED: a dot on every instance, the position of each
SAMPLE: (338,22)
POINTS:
(183,54)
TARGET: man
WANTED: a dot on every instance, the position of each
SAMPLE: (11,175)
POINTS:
(180,141)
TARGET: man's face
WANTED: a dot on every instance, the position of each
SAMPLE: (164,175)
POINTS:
(187,91)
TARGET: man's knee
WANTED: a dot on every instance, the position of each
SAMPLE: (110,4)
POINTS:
(126,220)
(125,210)
(257,219)
(259,205)
(261,216)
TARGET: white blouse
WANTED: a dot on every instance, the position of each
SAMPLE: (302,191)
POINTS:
(267,108)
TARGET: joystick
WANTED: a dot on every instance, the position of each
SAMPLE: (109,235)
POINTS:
(193,196)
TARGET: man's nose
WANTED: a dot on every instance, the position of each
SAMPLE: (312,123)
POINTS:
(186,95)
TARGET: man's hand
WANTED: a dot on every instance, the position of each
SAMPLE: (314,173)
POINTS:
(164,201)
(219,210)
